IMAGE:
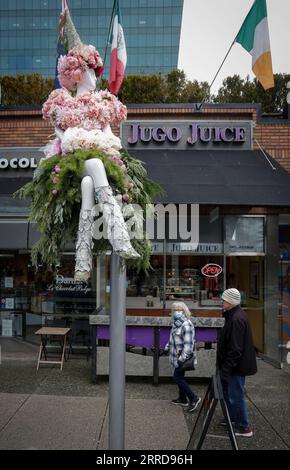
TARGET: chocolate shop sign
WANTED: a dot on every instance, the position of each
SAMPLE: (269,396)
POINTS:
(19,161)
(187,135)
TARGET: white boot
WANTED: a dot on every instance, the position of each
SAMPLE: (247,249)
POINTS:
(84,246)
(117,231)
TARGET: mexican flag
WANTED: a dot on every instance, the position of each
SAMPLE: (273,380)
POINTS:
(254,37)
(118,52)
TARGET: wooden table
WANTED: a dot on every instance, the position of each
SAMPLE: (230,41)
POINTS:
(46,331)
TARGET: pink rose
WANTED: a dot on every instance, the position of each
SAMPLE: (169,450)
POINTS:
(58,147)
(125,197)
(57,169)
(55,180)
(55,192)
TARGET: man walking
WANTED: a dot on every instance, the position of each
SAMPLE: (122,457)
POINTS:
(236,359)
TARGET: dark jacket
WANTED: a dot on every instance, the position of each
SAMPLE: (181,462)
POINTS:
(235,348)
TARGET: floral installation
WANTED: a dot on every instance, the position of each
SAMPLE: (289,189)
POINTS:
(91,110)
(72,67)
(80,139)
(82,128)
(55,194)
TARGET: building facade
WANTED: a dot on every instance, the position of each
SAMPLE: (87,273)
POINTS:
(28,33)
(226,159)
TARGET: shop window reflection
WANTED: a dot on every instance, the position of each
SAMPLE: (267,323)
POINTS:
(186,281)
(141,284)
(32,294)
(176,277)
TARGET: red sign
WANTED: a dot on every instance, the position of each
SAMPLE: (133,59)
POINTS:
(212,270)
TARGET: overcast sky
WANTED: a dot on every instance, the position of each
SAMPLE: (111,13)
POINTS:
(210,26)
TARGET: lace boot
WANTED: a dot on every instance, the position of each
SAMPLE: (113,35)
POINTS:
(84,246)
(117,232)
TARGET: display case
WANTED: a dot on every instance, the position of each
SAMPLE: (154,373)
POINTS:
(68,305)
(197,280)
(185,286)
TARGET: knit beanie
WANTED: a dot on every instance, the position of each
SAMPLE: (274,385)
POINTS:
(232,296)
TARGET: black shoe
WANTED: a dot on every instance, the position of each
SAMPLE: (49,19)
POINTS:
(224,423)
(193,405)
(179,402)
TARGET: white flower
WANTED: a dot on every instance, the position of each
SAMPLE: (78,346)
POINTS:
(75,138)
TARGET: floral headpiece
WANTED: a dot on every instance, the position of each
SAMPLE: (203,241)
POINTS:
(72,67)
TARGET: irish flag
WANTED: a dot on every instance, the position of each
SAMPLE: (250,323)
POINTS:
(118,52)
(254,37)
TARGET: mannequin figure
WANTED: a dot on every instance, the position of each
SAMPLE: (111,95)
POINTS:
(96,189)
(88,83)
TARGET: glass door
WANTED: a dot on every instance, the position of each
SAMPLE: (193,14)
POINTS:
(246,273)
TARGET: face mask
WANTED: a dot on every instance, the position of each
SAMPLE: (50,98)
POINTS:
(177,314)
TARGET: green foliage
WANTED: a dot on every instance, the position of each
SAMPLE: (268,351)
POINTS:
(144,189)
(195,92)
(175,83)
(237,90)
(170,88)
(157,88)
(31,89)
(142,89)
(57,215)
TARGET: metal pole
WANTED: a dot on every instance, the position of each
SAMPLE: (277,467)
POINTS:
(117,355)
(109,33)
(280,312)
(156,355)
(221,65)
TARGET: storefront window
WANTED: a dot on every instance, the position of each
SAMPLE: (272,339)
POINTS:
(284,282)
(28,297)
(15,292)
(146,290)
(196,280)
(61,295)
(14,281)
(244,234)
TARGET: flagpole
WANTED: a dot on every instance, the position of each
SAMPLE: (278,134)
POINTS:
(221,65)
(227,54)
(109,33)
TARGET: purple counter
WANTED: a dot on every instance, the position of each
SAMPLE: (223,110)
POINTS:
(150,333)
(143,336)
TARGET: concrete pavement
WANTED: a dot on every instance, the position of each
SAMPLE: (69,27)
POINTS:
(53,409)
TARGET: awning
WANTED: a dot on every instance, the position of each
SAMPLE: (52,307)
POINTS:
(13,234)
(9,185)
(219,177)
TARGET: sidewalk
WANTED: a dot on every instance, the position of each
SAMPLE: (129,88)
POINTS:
(53,409)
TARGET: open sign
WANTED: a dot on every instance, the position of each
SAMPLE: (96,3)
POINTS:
(212,270)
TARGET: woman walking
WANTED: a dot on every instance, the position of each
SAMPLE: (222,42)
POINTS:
(181,346)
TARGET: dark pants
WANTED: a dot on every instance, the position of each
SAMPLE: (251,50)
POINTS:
(234,394)
(184,389)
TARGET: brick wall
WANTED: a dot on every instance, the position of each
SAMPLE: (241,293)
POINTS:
(28,129)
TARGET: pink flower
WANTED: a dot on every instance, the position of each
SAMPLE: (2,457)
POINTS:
(55,192)
(58,146)
(125,197)
(55,180)
(57,169)
(88,111)
(72,67)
